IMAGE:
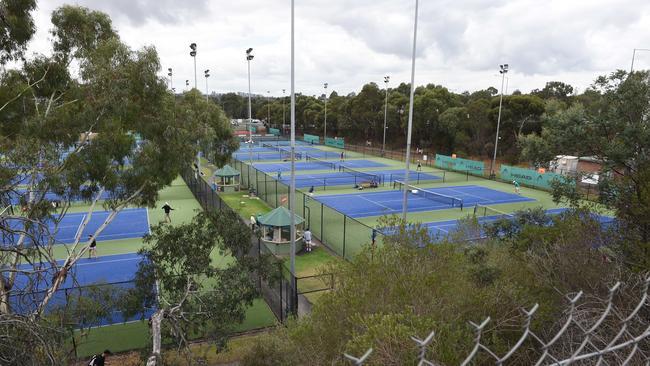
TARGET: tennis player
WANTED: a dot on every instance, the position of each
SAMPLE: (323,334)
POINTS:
(517,188)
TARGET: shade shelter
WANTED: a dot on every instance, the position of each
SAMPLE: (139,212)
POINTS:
(226,177)
(276,235)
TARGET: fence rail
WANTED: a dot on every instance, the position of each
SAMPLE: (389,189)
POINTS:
(577,342)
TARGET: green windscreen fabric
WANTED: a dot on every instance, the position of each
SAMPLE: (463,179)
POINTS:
(312,139)
(339,142)
(529,177)
(461,165)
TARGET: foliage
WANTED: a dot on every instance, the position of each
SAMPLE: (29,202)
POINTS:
(611,128)
(16,28)
(195,292)
(409,287)
(105,134)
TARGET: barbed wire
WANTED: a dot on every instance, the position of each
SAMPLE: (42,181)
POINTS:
(624,346)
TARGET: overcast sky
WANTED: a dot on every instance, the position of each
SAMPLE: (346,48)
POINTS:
(347,43)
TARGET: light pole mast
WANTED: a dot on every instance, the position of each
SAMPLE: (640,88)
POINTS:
(268,104)
(383,145)
(193,54)
(171,79)
(284,121)
(207,75)
(249,57)
(503,71)
(634,54)
(325,130)
(410,121)
(292,189)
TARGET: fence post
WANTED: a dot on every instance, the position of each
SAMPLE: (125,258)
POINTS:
(322,232)
(345,220)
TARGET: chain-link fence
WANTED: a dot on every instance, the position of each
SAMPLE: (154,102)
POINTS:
(609,335)
(281,295)
(340,233)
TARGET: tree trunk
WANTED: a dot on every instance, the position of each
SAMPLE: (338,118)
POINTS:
(156,338)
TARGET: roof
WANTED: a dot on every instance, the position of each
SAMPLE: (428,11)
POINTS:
(226,171)
(279,217)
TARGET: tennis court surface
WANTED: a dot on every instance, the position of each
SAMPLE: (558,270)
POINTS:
(128,223)
(390,202)
(314,165)
(105,274)
(351,179)
(262,149)
(442,229)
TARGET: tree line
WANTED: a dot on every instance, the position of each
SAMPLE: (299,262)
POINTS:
(443,121)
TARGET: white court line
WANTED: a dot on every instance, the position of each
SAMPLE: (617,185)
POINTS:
(376,203)
(465,194)
(109,261)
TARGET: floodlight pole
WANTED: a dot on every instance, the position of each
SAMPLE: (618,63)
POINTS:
(207,75)
(634,54)
(249,57)
(383,145)
(268,104)
(284,120)
(503,71)
(171,79)
(292,186)
(325,130)
(193,54)
(410,121)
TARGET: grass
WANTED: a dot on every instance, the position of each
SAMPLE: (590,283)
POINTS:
(244,205)
(135,335)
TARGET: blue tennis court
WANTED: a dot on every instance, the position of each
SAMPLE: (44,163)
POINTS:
(344,179)
(390,202)
(443,229)
(128,223)
(15,196)
(109,272)
(285,167)
(242,156)
(258,149)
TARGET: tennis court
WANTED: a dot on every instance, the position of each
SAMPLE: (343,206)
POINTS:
(390,202)
(442,229)
(314,165)
(266,156)
(109,273)
(351,179)
(257,149)
(128,223)
(15,196)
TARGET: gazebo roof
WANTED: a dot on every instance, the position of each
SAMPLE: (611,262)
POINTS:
(226,171)
(279,217)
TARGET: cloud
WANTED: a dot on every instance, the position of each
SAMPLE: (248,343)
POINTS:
(350,42)
(139,12)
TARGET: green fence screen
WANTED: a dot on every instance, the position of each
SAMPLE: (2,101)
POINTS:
(461,165)
(312,139)
(529,177)
(338,142)
(274,131)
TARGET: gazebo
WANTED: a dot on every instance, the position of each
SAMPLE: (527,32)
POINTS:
(276,231)
(226,177)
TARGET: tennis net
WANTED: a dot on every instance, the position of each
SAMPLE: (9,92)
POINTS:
(272,147)
(285,152)
(326,164)
(438,197)
(286,155)
(363,175)
(485,211)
